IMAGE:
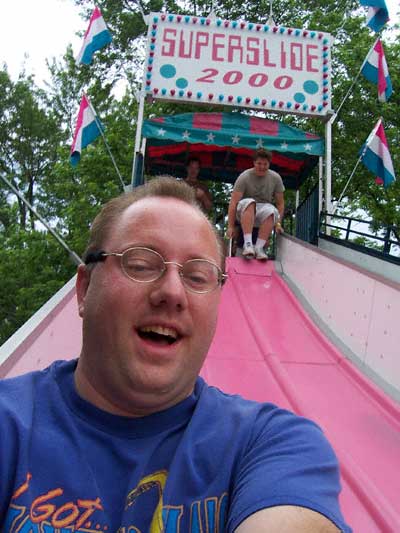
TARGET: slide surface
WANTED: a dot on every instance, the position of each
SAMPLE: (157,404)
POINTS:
(268,349)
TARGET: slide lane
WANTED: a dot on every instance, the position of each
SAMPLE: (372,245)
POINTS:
(268,349)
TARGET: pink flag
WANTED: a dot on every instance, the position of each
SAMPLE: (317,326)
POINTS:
(86,131)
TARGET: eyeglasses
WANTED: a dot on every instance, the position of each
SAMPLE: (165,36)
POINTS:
(145,265)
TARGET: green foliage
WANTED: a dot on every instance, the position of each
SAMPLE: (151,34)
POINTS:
(32,269)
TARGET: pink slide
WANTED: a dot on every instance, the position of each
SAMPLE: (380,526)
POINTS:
(268,349)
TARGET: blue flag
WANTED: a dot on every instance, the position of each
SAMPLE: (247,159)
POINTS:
(378,14)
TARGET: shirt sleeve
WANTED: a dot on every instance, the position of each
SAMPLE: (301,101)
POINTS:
(279,187)
(240,183)
(288,461)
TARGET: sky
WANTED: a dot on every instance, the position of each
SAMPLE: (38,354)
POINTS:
(43,29)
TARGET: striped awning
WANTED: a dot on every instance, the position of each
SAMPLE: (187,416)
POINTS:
(225,144)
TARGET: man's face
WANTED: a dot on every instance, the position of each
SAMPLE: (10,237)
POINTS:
(261,165)
(193,170)
(131,368)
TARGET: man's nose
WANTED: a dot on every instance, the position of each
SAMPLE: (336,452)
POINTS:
(169,290)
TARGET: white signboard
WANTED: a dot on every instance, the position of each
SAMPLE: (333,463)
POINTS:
(238,63)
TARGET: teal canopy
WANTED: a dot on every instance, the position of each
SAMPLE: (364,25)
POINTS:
(225,144)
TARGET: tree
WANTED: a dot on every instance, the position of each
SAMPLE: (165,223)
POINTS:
(28,142)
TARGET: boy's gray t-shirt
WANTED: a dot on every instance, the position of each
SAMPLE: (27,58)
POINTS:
(262,189)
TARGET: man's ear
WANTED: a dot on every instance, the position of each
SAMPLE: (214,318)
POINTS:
(81,286)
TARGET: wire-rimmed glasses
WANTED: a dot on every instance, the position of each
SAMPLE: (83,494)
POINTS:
(145,265)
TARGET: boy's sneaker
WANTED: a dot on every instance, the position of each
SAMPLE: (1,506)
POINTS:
(248,250)
(261,255)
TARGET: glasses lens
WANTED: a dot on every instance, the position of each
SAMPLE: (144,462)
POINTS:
(141,264)
(200,275)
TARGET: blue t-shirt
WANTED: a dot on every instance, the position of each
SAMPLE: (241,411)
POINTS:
(203,465)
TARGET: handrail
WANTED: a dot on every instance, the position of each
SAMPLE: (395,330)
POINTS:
(347,233)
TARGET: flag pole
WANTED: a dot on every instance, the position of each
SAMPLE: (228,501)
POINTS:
(347,184)
(105,142)
(75,258)
(334,117)
(370,136)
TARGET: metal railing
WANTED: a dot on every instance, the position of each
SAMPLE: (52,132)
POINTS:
(307,217)
(366,236)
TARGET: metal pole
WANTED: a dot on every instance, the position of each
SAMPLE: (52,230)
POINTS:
(347,184)
(328,171)
(138,133)
(297,199)
(106,143)
(354,82)
(320,183)
(271,21)
(75,258)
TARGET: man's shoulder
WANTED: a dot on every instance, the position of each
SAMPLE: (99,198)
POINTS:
(19,392)
(250,412)
(246,174)
(275,176)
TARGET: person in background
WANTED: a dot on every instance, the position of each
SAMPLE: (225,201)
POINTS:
(128,437)
(203,195)
(254,194)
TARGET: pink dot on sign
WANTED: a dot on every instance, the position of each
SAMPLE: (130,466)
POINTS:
(324,104)
(194,20)
(150,68)
(230,98)
(325,75)
(247,100)
(178,18)
(320,35)
(296,106)
(210,96)
(172,91)
(263,101)
(258,27)
(305,33)
(275,29)
(290,31)
(151,54)
(189,93)
(313,108)
(325,90)
(281,104)
(155,91)
(162,17)
(148,82)
(154,26)
(208,21)
(226,23)
(242,24)
(153,39)
(324,48)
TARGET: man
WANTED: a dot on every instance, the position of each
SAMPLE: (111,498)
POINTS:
(251,204)
(203,195)
(128,437)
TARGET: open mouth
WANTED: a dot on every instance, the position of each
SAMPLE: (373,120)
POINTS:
(159,335)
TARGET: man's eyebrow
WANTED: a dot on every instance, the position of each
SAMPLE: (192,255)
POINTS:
(156,249)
